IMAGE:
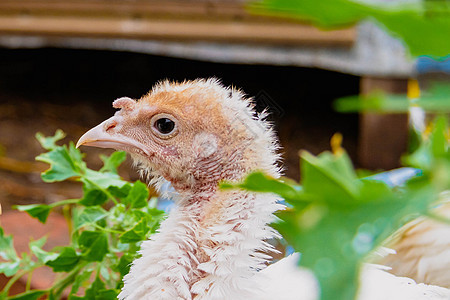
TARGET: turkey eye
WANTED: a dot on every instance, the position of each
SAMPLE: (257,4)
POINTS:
(164,125)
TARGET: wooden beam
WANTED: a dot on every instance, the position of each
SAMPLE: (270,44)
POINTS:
(122,7)
(166,29)
(383,138)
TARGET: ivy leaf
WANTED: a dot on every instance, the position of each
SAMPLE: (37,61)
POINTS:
(38,211)
(81,278)
(66,260)
(93,197)
(107,295)
(89,215)
(94,180)
(94,245)
(30,295)
(135,234)
(95,288)
(49,143)
(7,250)
(10,268)
(65,162)
(124,264)
(112,162)
(42,255)
(329,176)
(121,192)
(259,182)
(137,196)
(157,216)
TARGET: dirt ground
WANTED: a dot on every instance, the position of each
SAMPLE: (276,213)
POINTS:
(46,89)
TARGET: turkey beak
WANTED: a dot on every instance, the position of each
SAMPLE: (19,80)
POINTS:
(105,135)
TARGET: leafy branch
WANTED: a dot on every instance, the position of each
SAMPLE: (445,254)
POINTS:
(107,226)
(336,220)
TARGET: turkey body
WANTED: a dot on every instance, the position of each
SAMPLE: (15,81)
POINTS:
(423,250)
(195,135)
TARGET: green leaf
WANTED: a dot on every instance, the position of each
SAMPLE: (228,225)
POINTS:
(111,163)
(80,279)
(66,260)
(94,180)
(38,243)
(75,297)
(94,245)
(42,255)
(135,234)
(330,177)
(137,196)
(95,288)
(89,215)
(38,211)
(10,268)
(107,295)
(376,101)
(49,143)
(30,295)
(258,182)
(7,250)
(121,192)
(65,162)
(434,100)
(157,216)
(438,140)
(124,265)
(93,197)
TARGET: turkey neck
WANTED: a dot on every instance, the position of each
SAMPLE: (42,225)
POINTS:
(210,245)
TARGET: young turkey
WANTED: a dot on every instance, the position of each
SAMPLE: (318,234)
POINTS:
(196,134)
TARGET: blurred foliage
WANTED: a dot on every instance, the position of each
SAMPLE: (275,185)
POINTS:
(423,25)
(107,226)
(434,100)
(336,219)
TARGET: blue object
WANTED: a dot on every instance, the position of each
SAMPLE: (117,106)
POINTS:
(426,64)
(165,203)
(396,177)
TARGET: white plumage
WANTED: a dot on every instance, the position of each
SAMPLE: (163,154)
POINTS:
(213,245)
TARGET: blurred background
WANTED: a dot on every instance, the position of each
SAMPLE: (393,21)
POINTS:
(62,63)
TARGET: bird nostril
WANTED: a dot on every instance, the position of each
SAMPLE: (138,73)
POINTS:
(111,126)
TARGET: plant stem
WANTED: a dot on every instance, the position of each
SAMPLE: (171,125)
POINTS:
(106,229)
(18,275)
(64,202)
(68,217)
(59,286)
(13,280)
(28,285)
